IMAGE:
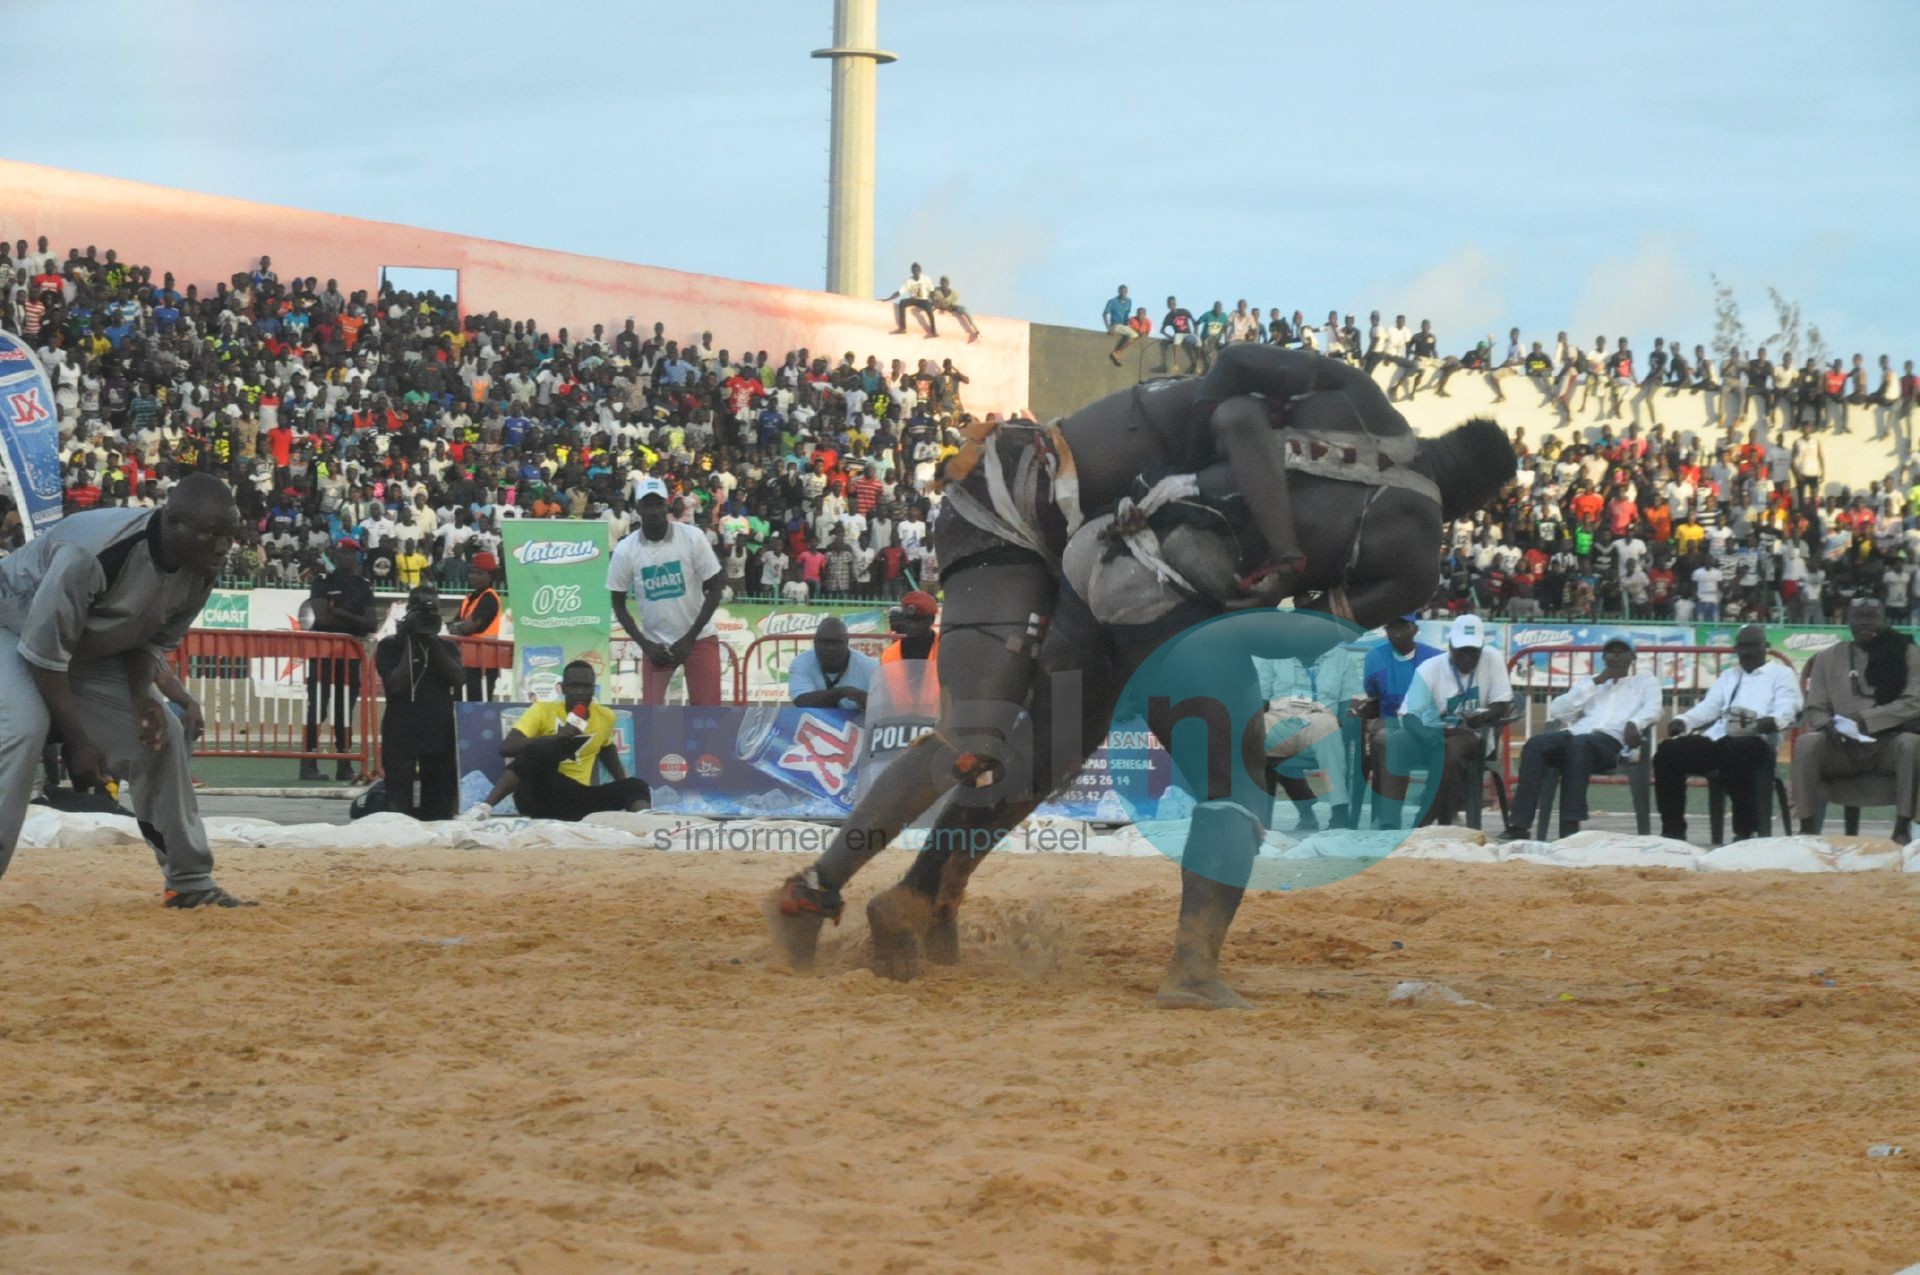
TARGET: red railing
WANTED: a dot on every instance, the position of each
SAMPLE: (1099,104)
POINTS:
(255,688)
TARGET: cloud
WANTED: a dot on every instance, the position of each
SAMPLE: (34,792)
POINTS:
(1462,293)
(995,254)
(1655,291)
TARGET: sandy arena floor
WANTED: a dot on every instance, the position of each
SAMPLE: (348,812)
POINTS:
(602,1073)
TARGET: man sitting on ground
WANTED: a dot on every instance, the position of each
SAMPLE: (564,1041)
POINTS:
(1733,732)
(832,674)
(551,753)
(1861,695)
(1600,716)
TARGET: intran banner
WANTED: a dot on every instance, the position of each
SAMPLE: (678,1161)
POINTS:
(557,571)
(29,436)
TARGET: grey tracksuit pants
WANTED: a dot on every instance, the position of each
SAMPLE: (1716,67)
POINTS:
(163,799)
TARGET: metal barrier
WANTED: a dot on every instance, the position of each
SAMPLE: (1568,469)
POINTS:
(257,687)
(1533,692)
(874,644)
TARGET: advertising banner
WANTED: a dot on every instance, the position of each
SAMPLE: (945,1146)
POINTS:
(562,612)
(1561,670)
(769,761)
(29,436)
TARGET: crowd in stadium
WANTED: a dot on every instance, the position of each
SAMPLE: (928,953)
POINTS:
(396,422)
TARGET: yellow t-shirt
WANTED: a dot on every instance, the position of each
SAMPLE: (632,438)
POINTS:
(1687,535)
(544,718)
(409,566)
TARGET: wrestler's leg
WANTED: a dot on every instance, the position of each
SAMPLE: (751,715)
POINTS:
(1228,823)
(986,671)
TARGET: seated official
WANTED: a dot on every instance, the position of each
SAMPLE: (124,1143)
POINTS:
(1871,685)
(552,751)
(1733,732)
(832,674)
(1600,716)
(1303,734)
(1453,698)
(1385,680)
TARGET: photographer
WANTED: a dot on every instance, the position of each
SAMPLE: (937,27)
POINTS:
(422,674)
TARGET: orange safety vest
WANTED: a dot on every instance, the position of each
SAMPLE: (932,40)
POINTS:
(892,654)
(471,602)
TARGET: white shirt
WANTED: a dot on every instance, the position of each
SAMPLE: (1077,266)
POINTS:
(1706,584)
(668,576)
(1441,691)
(1772,690)
(1607,709)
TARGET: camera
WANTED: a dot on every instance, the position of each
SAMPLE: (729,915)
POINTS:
(897,620)
(422,618)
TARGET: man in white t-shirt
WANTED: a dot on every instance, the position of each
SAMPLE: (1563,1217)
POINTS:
(674,570)
(1453,697)
(1706,593)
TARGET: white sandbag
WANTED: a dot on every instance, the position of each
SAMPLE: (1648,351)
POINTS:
(1608,850)
(1800,854)
(49,829)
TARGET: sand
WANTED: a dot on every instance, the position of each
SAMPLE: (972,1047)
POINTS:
(584,1061)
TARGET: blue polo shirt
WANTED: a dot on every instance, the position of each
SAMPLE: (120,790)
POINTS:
(804,675)
(1386,676)
(1117,312)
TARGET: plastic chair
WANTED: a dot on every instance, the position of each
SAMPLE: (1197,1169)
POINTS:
(1770,784)
(1639,772)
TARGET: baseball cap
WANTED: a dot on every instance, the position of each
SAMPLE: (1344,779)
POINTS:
(651,487)
(486,562)
(1411,617)
(1467,630)
(347,542)
(919,602)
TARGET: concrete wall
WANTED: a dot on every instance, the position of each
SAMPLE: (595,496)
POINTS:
(1070,367)
(205,239)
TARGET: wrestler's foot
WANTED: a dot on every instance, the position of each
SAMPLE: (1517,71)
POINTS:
(211,897)
(942,943)
(898,918)
(795,913)
(1205,993)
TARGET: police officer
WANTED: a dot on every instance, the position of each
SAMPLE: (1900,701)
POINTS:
(342,602)
(480,618)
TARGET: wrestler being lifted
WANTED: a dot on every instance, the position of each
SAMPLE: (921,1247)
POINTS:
(1012,499)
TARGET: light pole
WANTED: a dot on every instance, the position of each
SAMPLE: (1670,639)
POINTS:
(850,181)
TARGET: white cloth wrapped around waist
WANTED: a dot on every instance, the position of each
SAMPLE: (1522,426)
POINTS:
(1132,587)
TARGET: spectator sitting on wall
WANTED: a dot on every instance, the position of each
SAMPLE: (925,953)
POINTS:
(552,752)
(1179,329)
(832,674)
(947,301)
(915,293)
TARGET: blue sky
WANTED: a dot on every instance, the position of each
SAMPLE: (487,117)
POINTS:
(1578,166)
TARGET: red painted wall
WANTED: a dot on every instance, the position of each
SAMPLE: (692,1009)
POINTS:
(205,239)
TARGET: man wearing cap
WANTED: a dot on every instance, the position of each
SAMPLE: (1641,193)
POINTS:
(913,620)
(480,618)
(1453,697)
(1733,732)
(1386,678)
(1601,716)
(342,602)
(673,568)
(832,674)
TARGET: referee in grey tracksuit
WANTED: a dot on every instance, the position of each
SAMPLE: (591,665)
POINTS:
(89,610)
